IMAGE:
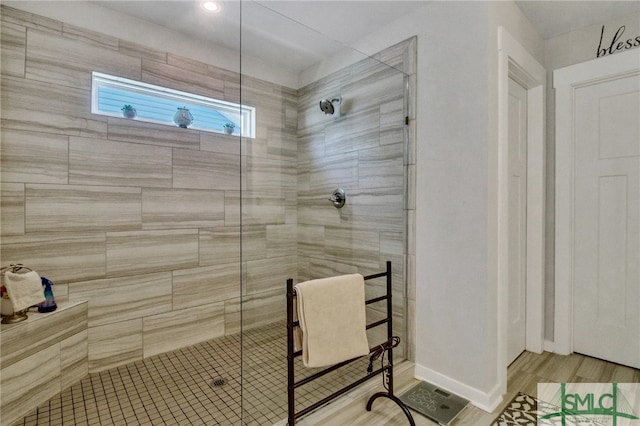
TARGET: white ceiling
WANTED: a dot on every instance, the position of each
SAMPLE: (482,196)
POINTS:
(296,33)
(301,33)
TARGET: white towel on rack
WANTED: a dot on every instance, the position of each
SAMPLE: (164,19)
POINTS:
(24,290)
(333,319)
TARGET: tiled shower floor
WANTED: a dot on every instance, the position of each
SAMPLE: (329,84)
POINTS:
(175,388)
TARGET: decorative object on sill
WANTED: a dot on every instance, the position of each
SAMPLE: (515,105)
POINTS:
(129,112)
(229,128)
(338,198)
(183,117)
(49,305)
(23,289)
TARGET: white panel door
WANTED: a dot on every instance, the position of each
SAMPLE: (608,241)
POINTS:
(516,337)
(606,235)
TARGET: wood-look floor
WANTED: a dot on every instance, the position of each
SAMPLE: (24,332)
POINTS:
(523,376)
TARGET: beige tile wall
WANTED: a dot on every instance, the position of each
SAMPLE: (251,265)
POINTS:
(40,357)
(366,151)
(140,220)
(143,220)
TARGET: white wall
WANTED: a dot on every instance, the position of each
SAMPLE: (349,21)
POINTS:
(452,202)
(457,122)
(561,51)
(452,327)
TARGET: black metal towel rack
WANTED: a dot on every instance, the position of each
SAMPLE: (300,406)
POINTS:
(387,369)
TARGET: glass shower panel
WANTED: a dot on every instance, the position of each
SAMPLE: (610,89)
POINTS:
(136,213)
(301,154)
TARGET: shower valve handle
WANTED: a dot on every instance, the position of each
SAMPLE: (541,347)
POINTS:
(338,198)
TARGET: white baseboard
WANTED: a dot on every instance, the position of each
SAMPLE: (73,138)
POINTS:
(548,346)
(487,401)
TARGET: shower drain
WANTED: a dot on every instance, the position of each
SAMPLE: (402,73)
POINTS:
(215,383)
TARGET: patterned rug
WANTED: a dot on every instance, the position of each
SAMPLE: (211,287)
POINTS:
(523,410)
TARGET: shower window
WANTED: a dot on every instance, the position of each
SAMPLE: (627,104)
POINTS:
(117,97)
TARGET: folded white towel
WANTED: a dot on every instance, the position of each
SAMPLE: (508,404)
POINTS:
(332,319)
(24,290)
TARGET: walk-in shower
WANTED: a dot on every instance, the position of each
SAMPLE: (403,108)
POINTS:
(178,242)
(289,230)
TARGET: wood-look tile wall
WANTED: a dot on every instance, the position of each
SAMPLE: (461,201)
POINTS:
(140,220)
(143,220)
(40,357)
(367,151)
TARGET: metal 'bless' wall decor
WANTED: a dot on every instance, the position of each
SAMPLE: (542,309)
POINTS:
(618,42)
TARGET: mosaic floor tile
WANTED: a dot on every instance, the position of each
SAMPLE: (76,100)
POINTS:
(175,388)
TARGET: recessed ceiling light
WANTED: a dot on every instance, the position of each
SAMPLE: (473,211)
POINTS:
(210,6)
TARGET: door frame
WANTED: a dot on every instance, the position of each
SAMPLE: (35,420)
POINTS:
(565,81)
(515,62)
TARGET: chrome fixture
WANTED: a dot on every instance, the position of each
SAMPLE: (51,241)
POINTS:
(338,198)
(330,106)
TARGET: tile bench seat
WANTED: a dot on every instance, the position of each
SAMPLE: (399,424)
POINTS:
(41,356)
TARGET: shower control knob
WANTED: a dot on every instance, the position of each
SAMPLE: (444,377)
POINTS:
(338,198)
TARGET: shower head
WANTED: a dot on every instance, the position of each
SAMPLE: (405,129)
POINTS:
(327,106)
